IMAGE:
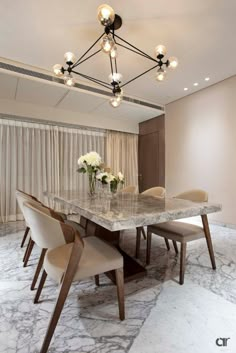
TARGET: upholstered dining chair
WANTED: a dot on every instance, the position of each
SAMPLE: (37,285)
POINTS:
(70,258)
(22,198)
(183,232)
(156,191)
(130,189)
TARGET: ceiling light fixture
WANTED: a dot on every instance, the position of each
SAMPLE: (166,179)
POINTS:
(109,43)
(185,88)
(207,79)
(195,84)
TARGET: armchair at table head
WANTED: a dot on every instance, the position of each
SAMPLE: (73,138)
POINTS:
(157,191)
(130,189)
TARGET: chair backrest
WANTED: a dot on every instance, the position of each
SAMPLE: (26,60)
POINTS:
(23,197)
(46,231)
(156,191)
(131,189)
(195,195)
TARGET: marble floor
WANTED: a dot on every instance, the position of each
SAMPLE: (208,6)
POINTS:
(161,315)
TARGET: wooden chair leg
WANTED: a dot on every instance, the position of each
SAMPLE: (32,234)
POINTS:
(97,280)
(148,249)
(26,250)
(27,256)
(24,237)
(64,290)
(38,269)
(143,233)
(182,262)
(167,244)
(120,292)
(138,239)
(40,287)
(208,240)
(175,247)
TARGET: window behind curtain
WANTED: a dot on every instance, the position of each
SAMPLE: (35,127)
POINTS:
(38,157)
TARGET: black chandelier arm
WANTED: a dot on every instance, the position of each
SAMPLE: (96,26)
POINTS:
(136,52)
(125,41)
(90,56)
(78,61)
(95,80)
(135,78)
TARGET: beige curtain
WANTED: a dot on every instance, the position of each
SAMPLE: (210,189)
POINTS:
(122,155)
(37,157)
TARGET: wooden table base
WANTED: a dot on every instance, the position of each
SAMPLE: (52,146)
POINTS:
(132,269)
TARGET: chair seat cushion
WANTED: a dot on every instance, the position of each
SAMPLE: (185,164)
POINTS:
(179,231)
(97,257)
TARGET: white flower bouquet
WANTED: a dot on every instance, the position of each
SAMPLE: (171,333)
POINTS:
(90,163)
(113,180)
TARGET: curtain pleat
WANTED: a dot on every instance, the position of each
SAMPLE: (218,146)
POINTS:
(37,157)
(122,155)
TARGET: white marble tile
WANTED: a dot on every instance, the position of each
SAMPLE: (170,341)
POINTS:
(187,318)
(89,321)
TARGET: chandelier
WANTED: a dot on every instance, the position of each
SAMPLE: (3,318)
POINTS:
(109,43)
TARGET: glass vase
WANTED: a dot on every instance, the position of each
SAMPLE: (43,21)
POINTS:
(113,187)
(92,183)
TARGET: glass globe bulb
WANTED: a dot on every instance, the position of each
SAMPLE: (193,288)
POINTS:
(57,69)
(173,62)
(107,43)
(70,58)
(106,15)
(116,77)
(69,81)
(115,102)
(161,74)
(160,50)
(113,52)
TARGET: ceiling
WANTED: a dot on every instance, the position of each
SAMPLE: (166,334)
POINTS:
(200,33)
(27,89)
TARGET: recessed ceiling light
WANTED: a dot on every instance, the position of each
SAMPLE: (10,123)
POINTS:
(185,88)
(195,84)
(207,78)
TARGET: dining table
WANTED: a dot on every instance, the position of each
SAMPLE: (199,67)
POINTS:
(107,215)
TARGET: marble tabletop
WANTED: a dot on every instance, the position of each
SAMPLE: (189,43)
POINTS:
(127,211)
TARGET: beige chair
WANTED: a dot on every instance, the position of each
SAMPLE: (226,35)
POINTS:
(159,192)
(183,232)
(131,189)
(22,198)
(70,258)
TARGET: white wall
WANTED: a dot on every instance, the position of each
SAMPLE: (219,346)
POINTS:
(201,146)
(65,116)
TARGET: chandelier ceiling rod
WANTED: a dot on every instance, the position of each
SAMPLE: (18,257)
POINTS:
(109,42)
